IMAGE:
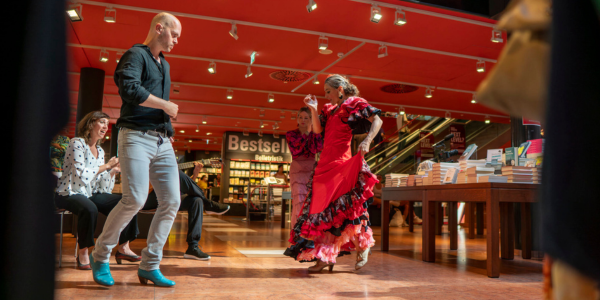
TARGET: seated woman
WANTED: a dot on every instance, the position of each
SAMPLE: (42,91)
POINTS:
(86,184)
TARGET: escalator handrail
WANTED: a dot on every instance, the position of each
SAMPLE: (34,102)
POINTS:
(393,135)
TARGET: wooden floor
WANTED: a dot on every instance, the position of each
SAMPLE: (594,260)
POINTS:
(262,273)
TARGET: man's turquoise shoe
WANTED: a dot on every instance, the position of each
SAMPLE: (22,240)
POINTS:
(101,272)
(155,276)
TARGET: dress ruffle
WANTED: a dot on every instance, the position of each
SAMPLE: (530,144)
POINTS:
(331,232)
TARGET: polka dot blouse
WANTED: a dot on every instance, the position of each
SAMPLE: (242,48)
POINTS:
(80,171)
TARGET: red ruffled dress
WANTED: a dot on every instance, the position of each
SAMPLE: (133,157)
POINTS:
(304,147)
(335,210)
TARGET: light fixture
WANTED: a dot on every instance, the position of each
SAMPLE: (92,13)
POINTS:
(110,15)
(190,141)
(271,98)
(74,12)
(481,66)
(400,17)
(208,133)
(262,113)
(260,133)
(204,120)
(248,72)
(375,14)
(382,51)
(233,32)
(282,116)
(182,131)
(311,5)
(402,111)
(487,119)
(316,80)
(119,55)
(229,94)
(276,134)
(497,36)
(246,132)
(197,128)
(176,89)
(428,92)
(262,125)
(447,115)
(103,55)
(212,67)
(275,126)
(474,99)
(323,42)
(207,141)
(108,137)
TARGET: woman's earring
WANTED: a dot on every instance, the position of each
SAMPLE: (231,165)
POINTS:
(341,96)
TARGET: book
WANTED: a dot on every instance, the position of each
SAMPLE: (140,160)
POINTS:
(523,149)
(494,154)
(451,175)
(491,178)
(511,158)
(468,152)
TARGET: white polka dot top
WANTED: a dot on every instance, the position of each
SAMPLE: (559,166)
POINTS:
(80,171)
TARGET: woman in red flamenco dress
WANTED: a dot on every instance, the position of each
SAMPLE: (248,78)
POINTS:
(334,218)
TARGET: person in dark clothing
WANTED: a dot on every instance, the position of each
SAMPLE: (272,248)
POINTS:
(194,201)
(570,191)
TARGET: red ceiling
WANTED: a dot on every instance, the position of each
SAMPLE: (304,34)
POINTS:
(289,50)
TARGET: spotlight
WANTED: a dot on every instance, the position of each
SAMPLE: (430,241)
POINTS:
(246,132)
(119,55)
(103,55)
(248,72)
(108,137)
(110,15)
(212,68)
(262,125)
(428,92)
(182,131)
(316,80)
(233,32)
(229,94)
(375,14)
(208,133)
(197,129)
(481,66)
(74,12)
(276,134)
(487,119)
(382,51)
(311,5)
(260,133)
(176,89)
(190,141)
(262,113)
(474,99)
(402,111)
(447,115)
(323,42)
(204,120)
(271,98)
(400,18)
(497,36)
(282,116)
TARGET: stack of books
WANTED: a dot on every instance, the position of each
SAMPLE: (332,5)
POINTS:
(516,174)
(465,164)
(474,173)
(393,179)
(461,178)
(428,180)
(419,180)
(439,172)
(403,181)
(412,180)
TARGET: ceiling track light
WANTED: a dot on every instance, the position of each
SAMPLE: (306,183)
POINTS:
(400,17)
(233,32)
(176,89)
(262,125)
(276,134)
(311,5)
(282,116)
(474,99)
(260,133)
(229,94)
(119,55)
(375,14)
(197,128)
(271,98)
(103,55)
(402,111)
(447,115)
(487,119)
(74,12)
(110,15)
(428,92)
(497,36)
(212,67)
(323,42)
(248,72)
(316,80)
(204,121)
(246,132)
(383,51)
(481,66)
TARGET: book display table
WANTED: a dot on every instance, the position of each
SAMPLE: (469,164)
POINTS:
(499,199)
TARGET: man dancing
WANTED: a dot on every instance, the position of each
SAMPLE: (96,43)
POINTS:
(145,150)
(194,201)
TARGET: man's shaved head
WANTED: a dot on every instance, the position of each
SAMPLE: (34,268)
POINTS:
(165,29)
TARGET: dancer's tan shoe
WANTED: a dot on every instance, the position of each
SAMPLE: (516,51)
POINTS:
(320,265)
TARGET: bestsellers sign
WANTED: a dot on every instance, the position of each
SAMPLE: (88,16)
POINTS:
(263,145)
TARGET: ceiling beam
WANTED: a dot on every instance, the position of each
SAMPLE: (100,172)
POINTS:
(288,29)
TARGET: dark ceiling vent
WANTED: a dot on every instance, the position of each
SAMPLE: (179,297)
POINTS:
(290,76)
(399,88)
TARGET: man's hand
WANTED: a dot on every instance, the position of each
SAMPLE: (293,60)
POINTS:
(171,109)
(197,168)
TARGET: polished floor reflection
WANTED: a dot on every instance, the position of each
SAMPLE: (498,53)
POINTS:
(246,264)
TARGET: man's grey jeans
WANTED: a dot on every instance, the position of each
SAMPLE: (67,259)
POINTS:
(143,157)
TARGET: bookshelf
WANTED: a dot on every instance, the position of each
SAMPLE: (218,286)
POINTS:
(245,174)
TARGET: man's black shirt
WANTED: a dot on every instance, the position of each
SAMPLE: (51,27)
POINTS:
(137,76)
